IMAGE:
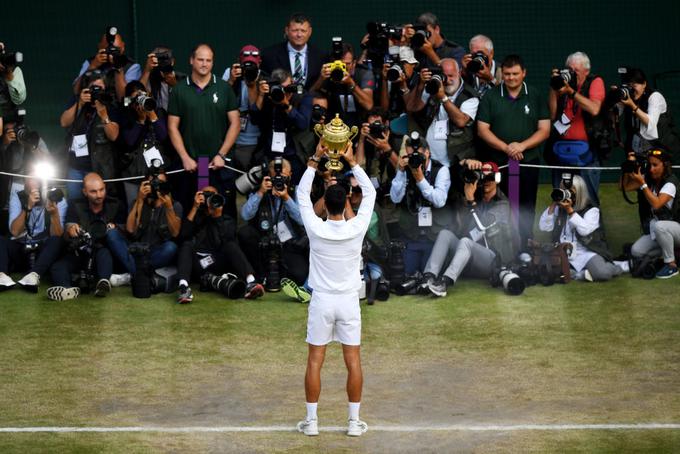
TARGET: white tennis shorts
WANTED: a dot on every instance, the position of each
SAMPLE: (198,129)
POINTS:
(333,317)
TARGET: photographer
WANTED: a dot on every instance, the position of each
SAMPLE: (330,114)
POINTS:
(480,70)
(435,47)
(375,151)
(36,227)
(350,95)
(659,210)
(572,218)
(209,247)
(647,120)
(12,85)
(420,187)
(155,219)
(117,68)
(159,75)
(243,78)
(92,233)
(274,231)
(575,105)
(473,255)
(397,80)
(145,133)
(92,124)
(450,109)
(282,111)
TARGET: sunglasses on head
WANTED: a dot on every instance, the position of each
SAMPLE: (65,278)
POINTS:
(250,53)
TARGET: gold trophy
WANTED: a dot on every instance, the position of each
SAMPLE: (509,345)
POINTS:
(335,134)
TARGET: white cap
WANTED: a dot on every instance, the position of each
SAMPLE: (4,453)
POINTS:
(406,54)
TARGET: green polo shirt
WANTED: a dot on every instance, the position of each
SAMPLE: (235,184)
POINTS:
(203,114)
(513,120)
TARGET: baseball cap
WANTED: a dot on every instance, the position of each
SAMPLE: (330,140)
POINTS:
(490,169)
(249,53)
(406,54)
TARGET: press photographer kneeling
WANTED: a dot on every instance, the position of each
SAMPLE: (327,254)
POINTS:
(274,238)
(572,218)
(36,225)
(659,211)
(210,249)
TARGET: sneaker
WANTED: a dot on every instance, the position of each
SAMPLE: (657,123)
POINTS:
(294,291)
(60,293)
(437,287)
(587,276)
(30,282)
(119,280)
(356,427)
(254,290)
(667,271)
(103,288)
(6,282)
(309,427)
(623,264)
(185,296)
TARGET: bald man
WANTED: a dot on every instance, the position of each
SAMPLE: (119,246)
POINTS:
(99,216)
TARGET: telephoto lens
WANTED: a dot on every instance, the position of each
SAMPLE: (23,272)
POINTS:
(560,195)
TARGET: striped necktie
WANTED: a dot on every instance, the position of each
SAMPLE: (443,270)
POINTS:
(297,71)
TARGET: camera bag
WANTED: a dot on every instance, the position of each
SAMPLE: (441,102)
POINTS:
(551,261)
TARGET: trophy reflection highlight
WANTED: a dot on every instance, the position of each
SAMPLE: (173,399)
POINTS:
(335,134)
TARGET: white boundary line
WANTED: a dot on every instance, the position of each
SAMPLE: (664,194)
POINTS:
(378,428)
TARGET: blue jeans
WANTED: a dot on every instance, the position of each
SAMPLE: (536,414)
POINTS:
(163,254)
(75,190)
(118,246)
(372,271)
(416,254)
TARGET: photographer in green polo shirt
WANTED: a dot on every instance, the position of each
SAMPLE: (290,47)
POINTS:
(513,120)
(203,122)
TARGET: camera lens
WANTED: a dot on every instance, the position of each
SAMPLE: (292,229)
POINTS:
(560,195)
(432,85)
(393,73)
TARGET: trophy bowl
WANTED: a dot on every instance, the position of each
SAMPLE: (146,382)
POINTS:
(335,134)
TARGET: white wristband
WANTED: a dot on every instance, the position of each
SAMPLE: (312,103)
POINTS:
(642,188)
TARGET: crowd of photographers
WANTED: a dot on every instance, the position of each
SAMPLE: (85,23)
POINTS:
(440,130)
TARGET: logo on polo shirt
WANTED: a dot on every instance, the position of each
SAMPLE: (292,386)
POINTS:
(526,109)
(214,98)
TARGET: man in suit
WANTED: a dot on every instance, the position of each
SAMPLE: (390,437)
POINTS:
(296,54)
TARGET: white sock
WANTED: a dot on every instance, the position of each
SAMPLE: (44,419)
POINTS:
(354,410)
(250,278)
(183,282)
(311,410)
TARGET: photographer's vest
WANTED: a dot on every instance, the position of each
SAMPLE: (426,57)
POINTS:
(460,141)
(210,233)
(599,128)
(86,216)
(101,149)
(595,241)
(668,140)
(662,214)
(133,163)
(267,217)
(161,231)
(499,237)
(442,217)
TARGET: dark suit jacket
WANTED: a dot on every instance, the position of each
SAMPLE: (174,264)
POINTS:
(276,56)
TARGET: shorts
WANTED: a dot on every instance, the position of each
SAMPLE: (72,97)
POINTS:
(333,317)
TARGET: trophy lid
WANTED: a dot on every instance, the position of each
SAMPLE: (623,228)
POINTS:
(336,128)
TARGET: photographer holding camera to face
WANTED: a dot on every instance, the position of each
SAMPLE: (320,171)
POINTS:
(375,151)
(421,188)
(145,134)
(486,238)
(659,211)
(36,224)
(398,78)
(94,239)
(243,78)
(209,249)
(572,218)
(450,107)
(92,124)
(12,85)
(159,75)
(274,237)
(282,111)
(110,60)
(429,43)
(480,70)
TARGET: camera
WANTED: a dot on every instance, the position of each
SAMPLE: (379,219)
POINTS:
(84,245)
(567,180)
(227,284)
(270,253)
(54,195)
(277,92)
(415,159)
(420,36)
(279,181)
(318,114)
(10,59)
(622,93)
(561,195)
(479,60)
(118,58)
(24,134)
(338,67)
(509,280)
(250,71)
(143,100)
(165,62)
(395,261)
(213,199)
(471,176)
(563,75)
(438,79)
(638,165)
(250,180)
(411,286)
(141,280)
(98,93)
(377,129)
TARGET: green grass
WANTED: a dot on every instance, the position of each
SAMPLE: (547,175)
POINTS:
(576,353)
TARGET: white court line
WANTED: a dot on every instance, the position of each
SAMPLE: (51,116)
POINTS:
(377,428)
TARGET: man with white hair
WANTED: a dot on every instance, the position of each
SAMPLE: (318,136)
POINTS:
(450,112)
(483,74)
(575,101)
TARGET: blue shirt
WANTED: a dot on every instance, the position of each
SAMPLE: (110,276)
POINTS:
(290,208)
(35,222)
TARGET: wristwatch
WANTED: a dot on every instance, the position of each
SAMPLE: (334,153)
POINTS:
(314,158)
(106,121)
(643,187)
(223,156)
